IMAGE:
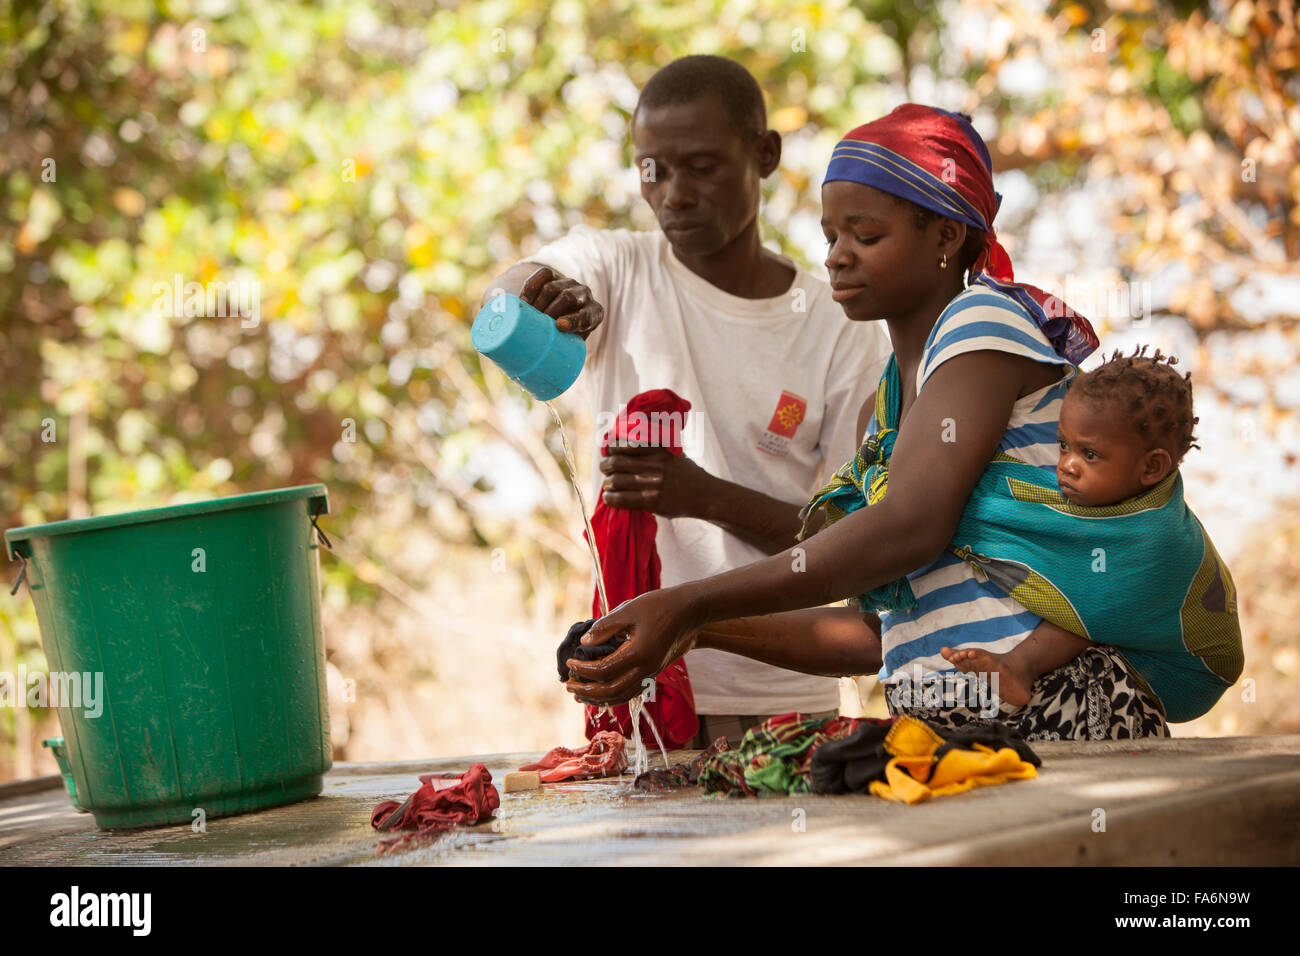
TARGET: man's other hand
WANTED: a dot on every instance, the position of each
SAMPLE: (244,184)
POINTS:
(642,478)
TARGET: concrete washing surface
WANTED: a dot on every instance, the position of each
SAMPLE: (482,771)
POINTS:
(1185,801)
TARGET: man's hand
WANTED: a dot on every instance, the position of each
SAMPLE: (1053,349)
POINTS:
(655,480)
(567,301)
(660,629)
(642,478)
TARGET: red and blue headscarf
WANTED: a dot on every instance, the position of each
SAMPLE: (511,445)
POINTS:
(935,159)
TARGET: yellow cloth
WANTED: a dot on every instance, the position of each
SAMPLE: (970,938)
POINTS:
(915,774)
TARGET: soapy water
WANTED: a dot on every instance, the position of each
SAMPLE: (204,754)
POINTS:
(635,706)
(640,758)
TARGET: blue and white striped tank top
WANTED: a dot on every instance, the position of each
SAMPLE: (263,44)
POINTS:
(955,606)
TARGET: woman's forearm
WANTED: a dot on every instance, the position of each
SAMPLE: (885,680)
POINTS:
(936,462)
(838,562)
(827,641)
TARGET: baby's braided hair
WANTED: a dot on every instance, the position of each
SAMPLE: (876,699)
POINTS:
(1155,399)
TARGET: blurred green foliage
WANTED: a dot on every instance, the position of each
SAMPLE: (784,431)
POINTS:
(368,166)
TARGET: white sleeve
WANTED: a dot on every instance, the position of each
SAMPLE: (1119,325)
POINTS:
(859,361)
(599,259)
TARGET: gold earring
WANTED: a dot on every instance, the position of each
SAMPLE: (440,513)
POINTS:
(943,263)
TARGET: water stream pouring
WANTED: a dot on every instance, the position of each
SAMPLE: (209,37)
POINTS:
(582,503)
(524,342)
(528,347)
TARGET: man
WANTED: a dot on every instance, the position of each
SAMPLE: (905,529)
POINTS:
(775,373)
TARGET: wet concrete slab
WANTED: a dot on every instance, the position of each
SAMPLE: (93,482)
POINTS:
(1225,801)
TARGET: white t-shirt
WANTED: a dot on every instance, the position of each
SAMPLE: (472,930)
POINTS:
(775,387)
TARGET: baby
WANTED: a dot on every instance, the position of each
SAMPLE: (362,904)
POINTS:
(1124,427)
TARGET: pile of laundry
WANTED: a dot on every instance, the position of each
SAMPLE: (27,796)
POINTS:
(444,801)
(901,759)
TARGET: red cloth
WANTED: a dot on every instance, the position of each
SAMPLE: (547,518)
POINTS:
(630,566)
(442,802)
(605,756)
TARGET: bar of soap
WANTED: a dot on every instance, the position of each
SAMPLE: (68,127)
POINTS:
(522,780)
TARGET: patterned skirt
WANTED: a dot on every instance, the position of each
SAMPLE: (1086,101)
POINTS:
(1093,697)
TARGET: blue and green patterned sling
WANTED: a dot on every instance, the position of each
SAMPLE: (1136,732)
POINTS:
(1141,576)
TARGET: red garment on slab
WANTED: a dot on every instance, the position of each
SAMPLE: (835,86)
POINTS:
(630,566)
(605,756)
(442,802)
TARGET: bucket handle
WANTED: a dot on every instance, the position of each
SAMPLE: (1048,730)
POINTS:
(321,535)
(22,573)
(319,505)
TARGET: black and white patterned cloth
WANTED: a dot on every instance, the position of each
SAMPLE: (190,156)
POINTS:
(1093,697)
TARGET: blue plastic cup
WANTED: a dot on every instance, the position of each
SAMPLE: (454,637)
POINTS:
(528,347)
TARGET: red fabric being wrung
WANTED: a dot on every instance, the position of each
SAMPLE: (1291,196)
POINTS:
(442,802)
(629,563)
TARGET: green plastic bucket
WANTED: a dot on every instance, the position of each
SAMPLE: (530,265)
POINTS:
(58,747)
(204,621)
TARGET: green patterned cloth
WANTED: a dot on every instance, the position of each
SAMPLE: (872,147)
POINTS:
(862,480)
(773,758)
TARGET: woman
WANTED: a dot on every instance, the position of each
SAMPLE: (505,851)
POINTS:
(908,210)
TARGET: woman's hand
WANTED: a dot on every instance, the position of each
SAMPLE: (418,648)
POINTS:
(661,628)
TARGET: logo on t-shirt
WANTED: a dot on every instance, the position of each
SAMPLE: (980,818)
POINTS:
(790,411)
